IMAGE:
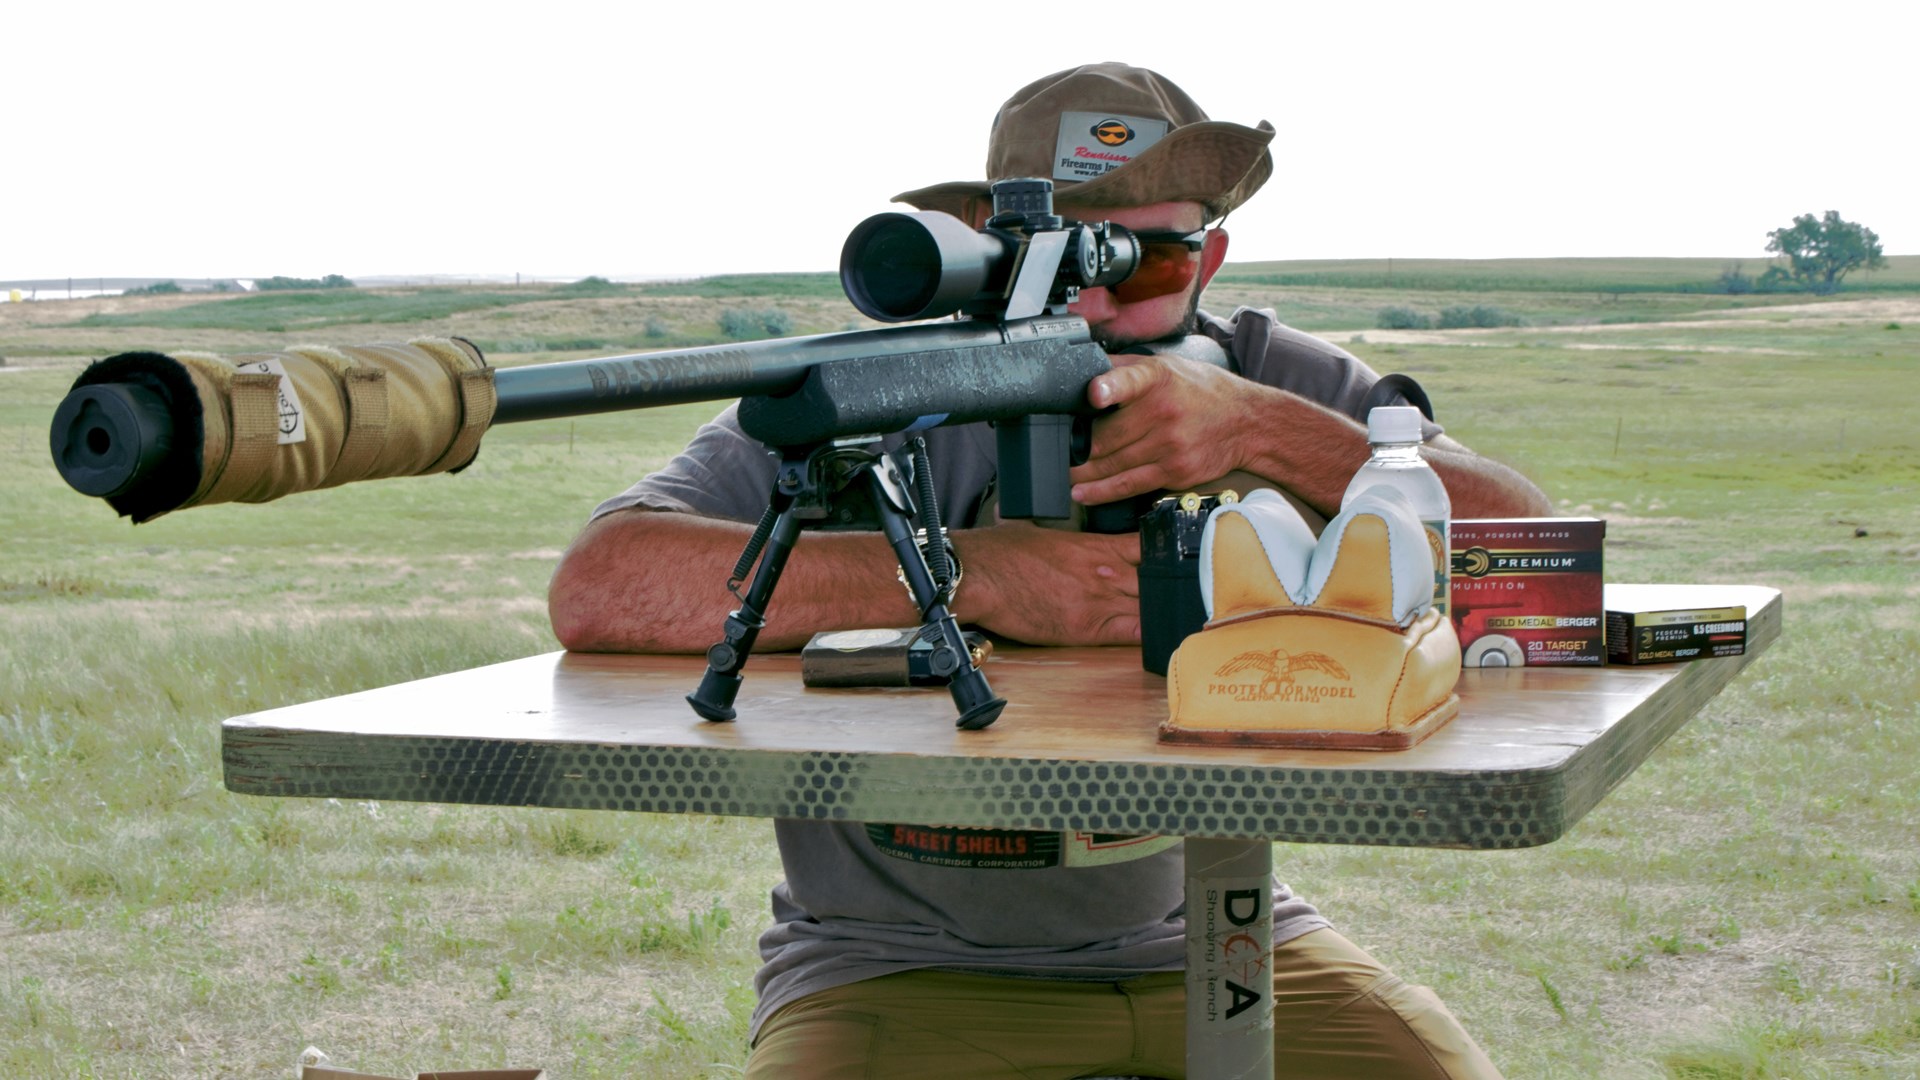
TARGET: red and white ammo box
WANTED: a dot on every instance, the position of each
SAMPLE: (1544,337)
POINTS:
(1528,591)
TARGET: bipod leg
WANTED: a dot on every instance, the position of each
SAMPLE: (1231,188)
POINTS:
(967,683)
(713,699)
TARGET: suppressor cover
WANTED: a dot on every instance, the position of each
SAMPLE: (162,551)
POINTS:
(257,426)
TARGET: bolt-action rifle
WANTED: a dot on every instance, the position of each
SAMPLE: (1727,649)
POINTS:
(152,433)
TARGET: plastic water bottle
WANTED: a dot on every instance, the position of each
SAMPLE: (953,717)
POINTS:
(1394,433)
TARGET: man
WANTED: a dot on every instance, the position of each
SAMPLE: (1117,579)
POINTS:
(884,963)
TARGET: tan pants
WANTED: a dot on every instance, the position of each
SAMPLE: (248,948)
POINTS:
(1336,1013)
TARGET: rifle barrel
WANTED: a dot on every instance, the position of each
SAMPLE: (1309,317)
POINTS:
(119,433)
(710,372)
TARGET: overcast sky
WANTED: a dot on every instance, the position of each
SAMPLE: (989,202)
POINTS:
(562,139)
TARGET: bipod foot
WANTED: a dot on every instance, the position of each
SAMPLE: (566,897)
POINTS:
(976,700)
(980,715)
(713,698)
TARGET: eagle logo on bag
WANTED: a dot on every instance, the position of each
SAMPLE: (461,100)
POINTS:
(1277,668)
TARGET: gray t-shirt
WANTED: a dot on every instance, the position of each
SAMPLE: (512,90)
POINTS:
(865,900)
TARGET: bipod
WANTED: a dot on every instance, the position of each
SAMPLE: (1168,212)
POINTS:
(809,486)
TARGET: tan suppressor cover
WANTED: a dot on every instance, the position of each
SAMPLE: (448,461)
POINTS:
(355,412)
(1339,672)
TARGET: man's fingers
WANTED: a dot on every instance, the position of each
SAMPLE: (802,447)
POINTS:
(1121,630)
(1116,432)
(1129,546)
(1127,585)
(1069,588)
(1124,486)
(1130,379)
(1128,472)
(1114,460)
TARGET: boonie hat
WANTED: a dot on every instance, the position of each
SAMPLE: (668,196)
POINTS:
(1113,135)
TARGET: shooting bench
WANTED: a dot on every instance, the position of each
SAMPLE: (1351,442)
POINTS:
(1532,751)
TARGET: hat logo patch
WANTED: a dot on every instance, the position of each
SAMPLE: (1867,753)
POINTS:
(1112,132)
(1088,145)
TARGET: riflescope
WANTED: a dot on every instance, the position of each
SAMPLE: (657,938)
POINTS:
(897,267)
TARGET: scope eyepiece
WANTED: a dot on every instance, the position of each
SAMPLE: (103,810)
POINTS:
(1108,254)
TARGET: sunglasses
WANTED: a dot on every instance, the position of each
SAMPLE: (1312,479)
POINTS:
(1166,265)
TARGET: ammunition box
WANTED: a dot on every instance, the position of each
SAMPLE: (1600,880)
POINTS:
(1528,591)
(886,657)
(1644,625)
(1170,603)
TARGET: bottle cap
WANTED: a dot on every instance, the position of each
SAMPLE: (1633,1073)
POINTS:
(1393,424)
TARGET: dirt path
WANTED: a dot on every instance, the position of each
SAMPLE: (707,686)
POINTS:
(1891,309)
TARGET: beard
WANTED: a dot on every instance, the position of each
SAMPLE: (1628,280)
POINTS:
(1112,343)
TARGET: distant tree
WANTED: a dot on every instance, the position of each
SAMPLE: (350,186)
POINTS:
(776,321)
(592,285)
(743,324)
(740,323)
(1820,251)
(331,281)
(1402,318)
(1457,316)
(1776,279)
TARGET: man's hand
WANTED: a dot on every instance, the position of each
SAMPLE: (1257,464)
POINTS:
(1048,587)
(1180,424)
(1176,424)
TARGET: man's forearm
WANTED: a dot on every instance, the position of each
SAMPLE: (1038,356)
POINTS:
(643,581)
(1314,452)
(640,581)
(1480,487)
(1301,446)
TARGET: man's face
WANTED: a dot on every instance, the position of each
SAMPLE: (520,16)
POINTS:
(1117,325)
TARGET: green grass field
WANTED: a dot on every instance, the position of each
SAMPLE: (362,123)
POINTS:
(1598,275)
(1747,905)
